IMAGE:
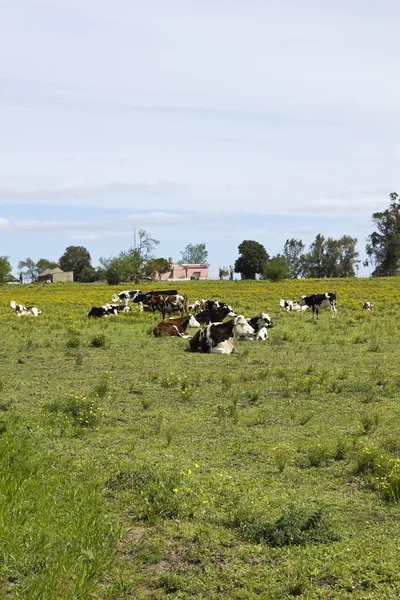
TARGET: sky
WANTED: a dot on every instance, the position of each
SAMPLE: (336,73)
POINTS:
(200,122)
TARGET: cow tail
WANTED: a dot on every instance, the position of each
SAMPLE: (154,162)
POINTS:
(185,304)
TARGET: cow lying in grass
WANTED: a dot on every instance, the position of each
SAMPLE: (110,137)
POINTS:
(107,310)
(260,325)
(218,338)
(288,305)
(175,326)
(20,310)
(368,306)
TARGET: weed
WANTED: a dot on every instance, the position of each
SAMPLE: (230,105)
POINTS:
(170,582)
(369,423)
(374,346)
(98,341)
(340,450)
(102,387)
(146,403)
(73,342)
(305,417)
(281,455)
(296,527)
(317,454)
(78,410)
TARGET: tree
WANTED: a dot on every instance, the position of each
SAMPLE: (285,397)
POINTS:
(194,254)
(76,259)
(223,272)
(146,245)
(5,269)
(293,251)
(43,264)
(383,245)
(31,271)
(252,259)
(130,265)
(330,257)
(156,267)
(276,269)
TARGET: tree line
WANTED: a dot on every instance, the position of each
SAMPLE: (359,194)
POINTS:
(133,265)
(326,257)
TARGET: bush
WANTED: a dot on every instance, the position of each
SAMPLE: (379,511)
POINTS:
(296,527)
(98,341)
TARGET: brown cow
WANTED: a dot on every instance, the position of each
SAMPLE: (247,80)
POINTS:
(174,327)
(170,304)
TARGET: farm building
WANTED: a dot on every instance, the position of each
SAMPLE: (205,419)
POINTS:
(56,275)
(185,271)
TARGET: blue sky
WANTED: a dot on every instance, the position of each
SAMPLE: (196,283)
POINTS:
(205,122)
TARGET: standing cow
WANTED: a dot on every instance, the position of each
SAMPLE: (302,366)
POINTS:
(317,301)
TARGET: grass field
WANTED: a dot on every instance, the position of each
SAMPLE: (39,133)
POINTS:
(131,468)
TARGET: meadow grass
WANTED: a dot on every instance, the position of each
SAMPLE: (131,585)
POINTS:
(131,468)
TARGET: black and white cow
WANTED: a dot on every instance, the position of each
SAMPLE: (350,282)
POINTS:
(218,338)
(260,324)
(126,296)
(107,310)
(214,316)
(368,306)
(288,305)
(317,301)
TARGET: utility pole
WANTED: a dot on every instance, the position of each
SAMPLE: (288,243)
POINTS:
(134,238)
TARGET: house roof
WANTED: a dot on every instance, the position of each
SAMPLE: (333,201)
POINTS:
(51,271)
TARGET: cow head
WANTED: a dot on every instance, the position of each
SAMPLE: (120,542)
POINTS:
(282,303)
(115,298)
(265,321)
(193,322)
(302,301)
(242,327)
(13,304)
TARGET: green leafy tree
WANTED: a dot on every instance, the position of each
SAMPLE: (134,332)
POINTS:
(5,269)
(383,245)
(293,251)
(130,264)
(156,267)
(252,259)
(330,257)
(43,264)
(76,259)
(276,268)
(194,254)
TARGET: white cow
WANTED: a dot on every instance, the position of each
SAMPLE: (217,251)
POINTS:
(20,310)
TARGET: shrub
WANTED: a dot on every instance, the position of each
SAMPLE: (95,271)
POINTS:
(98,341)
(296,527)
(79,411)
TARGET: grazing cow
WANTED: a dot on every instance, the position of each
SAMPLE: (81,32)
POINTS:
(368,306)
(107,309)
(126,296)
(317,301)
(20,310)
(260,325)
(175,326)
(218,338)
(289,305)
(214,316)
(170,304)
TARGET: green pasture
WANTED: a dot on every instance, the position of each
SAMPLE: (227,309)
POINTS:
(132,468)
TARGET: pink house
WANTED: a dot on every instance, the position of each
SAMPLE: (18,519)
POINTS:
(186,271)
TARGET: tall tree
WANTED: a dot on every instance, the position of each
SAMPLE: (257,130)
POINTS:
(76,259)
(383,245)
(129,265)
(330,257)
(5,269)
(29,270)
(292,251)
(43,264)
(252,259)
(194,254)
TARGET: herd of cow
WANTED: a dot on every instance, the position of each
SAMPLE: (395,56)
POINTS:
(217,336)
